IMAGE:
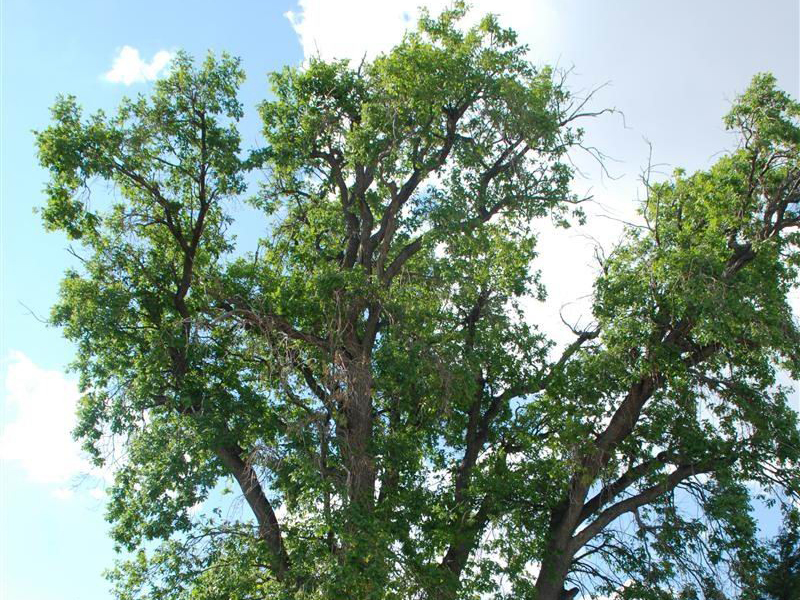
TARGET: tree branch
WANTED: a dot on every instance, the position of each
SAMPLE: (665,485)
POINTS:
(268,527)
(646,496)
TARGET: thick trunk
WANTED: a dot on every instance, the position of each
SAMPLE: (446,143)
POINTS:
(354,431)
(559,552)
(550,583)
(355,434)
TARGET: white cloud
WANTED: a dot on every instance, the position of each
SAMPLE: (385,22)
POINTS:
(63,493)
(98,493)
(129,67)
(37,437)
(354,29)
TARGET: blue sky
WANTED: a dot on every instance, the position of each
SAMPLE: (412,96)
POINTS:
(672,68)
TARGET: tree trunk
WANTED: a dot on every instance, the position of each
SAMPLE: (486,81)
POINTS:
(355,434)
(550,583)
(558,555)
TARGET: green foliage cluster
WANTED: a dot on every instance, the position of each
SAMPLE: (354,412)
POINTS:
(366,378)
(782,574)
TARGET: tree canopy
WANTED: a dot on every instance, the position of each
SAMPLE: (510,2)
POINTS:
(367,378)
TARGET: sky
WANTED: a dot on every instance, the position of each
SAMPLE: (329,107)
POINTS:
(670,69)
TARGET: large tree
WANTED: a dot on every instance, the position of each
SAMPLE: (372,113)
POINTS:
(366,376)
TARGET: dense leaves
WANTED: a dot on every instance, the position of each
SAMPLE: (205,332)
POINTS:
(782,575)
(394,425)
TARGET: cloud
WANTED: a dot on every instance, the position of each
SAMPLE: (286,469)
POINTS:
(355,29)
(98,493)
(37,437)
(63,493)
(129,67)
(195,509)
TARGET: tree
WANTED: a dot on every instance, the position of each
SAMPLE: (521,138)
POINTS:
(367,377)
(782,576)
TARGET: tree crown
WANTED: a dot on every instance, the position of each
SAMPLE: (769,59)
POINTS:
(367,376)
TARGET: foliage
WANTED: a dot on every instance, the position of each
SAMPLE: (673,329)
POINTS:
(367,377)
(782,575)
